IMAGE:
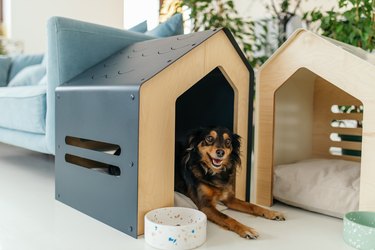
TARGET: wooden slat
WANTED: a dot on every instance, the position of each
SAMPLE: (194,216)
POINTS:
(347,116)
(346,145)
(346,131)
(346,157)
(327,130)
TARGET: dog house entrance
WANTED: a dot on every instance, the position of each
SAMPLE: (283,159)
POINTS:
(315,119)
(210,102)
(317,126)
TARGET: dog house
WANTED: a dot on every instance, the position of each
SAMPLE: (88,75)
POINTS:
(298,92)
(125,114)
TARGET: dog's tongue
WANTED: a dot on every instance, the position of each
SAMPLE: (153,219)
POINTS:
(217,162)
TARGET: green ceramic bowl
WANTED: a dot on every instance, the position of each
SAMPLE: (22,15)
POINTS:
(359,230)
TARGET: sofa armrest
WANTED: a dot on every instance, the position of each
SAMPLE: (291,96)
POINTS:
(73,47)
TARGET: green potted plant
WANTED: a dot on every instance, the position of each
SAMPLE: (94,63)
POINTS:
(352,23)
(2,48)
(209,14)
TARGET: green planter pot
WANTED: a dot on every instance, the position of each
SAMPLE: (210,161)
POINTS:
(359,230)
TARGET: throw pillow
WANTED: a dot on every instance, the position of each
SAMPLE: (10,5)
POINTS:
(172,27)
(141,27)
(4,68)
(30,75)
(43,81)
(21,61)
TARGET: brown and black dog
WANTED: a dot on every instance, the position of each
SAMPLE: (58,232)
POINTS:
(207,175)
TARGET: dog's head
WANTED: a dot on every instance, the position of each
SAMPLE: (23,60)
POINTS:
(216,149)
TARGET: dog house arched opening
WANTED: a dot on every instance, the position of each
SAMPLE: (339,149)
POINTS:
(316,125)
(314,118)
(210,102)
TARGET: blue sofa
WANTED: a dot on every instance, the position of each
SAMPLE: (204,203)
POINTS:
(28,82)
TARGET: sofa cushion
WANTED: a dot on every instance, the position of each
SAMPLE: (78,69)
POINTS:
(5,62)
(21,61)
(141,27)
(23,108)
(172,27)
(43,81)
(30,75)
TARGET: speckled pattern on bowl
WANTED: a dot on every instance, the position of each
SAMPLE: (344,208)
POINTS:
(175,228)
(359,230)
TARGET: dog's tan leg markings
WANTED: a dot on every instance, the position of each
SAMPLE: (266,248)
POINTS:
(229,223)
(246,207)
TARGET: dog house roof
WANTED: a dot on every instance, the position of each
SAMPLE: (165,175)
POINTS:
(140,61)
(348,68)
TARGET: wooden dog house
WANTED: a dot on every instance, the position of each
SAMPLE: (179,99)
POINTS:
(298,89)
(135,105)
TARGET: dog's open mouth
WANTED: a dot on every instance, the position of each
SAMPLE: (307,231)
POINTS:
(216,162)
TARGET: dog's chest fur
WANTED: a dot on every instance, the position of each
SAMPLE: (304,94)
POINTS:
(217,186)
(218,180)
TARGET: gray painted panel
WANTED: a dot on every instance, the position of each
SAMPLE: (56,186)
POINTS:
(108,115)
(139,62)
(102,104)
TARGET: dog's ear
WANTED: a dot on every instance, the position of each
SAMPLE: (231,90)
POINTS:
(236,141)
(193,140)
(236,146)
(190,141)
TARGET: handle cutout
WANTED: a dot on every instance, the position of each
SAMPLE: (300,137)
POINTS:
(104,147)
(93,165)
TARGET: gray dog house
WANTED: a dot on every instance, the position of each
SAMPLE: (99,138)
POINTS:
(127,112)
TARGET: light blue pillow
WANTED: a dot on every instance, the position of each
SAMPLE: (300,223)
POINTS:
(21,61)
(141,27)
(43,81)
(30,75)
(172,27)
(4,69)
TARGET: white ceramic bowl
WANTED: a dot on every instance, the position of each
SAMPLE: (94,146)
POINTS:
(175,228)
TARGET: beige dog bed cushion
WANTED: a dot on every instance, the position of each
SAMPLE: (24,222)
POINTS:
(325,186)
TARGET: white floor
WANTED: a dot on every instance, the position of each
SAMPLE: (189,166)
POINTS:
(31,219)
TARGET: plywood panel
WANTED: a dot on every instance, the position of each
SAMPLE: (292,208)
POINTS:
(325,96)
(293,118)
(337,66)
(157,118)
(367,180)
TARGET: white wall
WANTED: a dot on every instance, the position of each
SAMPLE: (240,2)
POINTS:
(27,18)
(136,11)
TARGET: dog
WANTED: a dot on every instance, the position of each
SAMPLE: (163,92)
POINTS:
(207,173)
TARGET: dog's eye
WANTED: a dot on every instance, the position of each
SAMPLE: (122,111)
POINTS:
(209,139)
(228,143)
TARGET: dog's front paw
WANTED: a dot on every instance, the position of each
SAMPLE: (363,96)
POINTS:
(276,216)
(248,233)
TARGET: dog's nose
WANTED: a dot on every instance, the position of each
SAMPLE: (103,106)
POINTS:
(220,153)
